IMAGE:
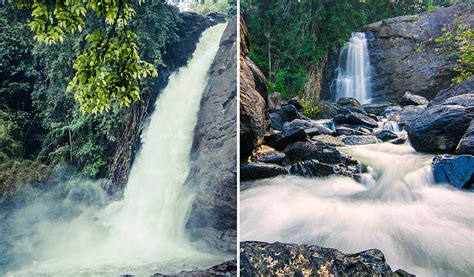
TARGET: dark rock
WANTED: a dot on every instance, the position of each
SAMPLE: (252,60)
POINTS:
(323,152)
(466,145)
(228,268)
(333,141)
(439,128)
(213,157)
(409,113)
(326,110)
(466,87)
(359,140)
(386,135)
(295,101)
(258,170)
(274,101)
(287,113)
(253,113)
(355,119)
(400,140)
(454,170)
(342,130)
(391,111)
(314,168)
(276,122)
(266,154)
(377,108)
(404,57)
(409,99)
(350,104)
(283,259)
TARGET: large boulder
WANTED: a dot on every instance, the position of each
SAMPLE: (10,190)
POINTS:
(466,87)
(454,170)
(466,144)
(314,168)
(213,155)
(440,128)
(267,154)
(284,259)
(258,170)
(350,104)
(359,140)
(354,118)
(409,113)
(318,150)
(377,108)
(386,135)
(405,58)
(253,92)
(326,110)
(228,269)
(412,99)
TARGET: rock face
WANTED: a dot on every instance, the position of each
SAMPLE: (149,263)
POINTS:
(213,156)
(128,135)
(411,99)
(457,171)
(228,269)
(403,56)
(253,94)
(281,259)
(440,127)
(466,145)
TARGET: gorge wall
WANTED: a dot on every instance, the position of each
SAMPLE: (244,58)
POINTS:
(213,173)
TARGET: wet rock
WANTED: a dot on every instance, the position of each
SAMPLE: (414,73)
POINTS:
(283,259)
(295,101)
(314,168)
(386,135)
(377,108)
(457,171)
(326,110)
(274,101)
(466,87)
(440,128)
(276,122)
(310,127)
(355,119)
(409,114)
(228,268)
(466,145)
(350,104)
(253,113)
(258,170)
(342,130)
(267,154)
(359,140)
(333,141)
(323,152)
(287,112)
(409,99)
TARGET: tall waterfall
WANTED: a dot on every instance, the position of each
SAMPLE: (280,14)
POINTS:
(353,72)
(145,232)
(421,227)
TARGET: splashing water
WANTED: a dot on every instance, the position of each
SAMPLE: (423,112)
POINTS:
(422,227)
(145,232)
(353,72)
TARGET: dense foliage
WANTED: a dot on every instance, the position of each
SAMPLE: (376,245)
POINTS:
(458,45)
(289,37)
(42,127)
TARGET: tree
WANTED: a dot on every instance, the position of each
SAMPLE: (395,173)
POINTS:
(110,68)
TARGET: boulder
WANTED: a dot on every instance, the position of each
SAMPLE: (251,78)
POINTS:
(412,99)
(295,101)
(323,152)
(440,128)
(314,168)
(267,154)
(466,87)
(359,140)
(333,141)
(284,259)
(466,144)
(287,112)
(457,171)
(258,170)
(343,130)
(274,101)
(276,122)
(409,113)
(228,268)
(326,110)
(377,108)
(277,140)
(386,135)
(350,104)
(405,58)
(355,119)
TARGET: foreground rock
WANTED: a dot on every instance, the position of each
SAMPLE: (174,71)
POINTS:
(412,99)
(278,259)
(259,170)
(228,268)
(314,168)
(213,155)
(457,171)
(466,144)
(440,127)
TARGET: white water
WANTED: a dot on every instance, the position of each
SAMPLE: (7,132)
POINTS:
(353,72)
(421,227)
(145,232)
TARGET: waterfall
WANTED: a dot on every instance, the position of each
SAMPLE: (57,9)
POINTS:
(421,227)
(353,72)
(144,233)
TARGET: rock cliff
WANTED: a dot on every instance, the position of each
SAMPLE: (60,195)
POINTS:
(214,155)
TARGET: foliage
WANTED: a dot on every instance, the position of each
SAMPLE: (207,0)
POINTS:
(288,38)
(213,6)
(110,67)
(458,45)
(310,107)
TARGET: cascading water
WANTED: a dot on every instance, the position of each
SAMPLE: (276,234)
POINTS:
(422,227)
(145,232)
(353,72)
